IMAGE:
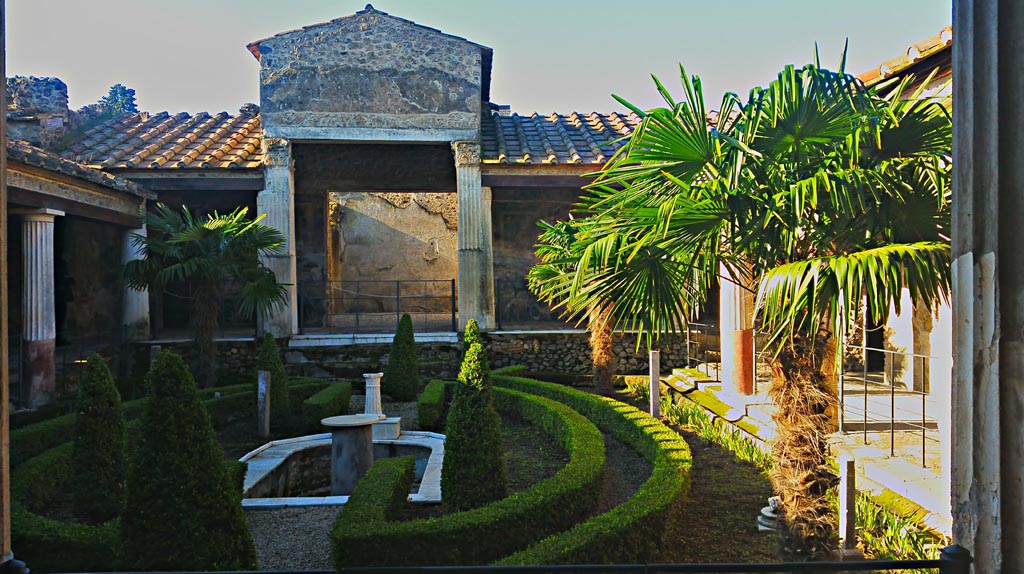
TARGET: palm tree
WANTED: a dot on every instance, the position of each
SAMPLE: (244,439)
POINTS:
(818,190)
(210,252)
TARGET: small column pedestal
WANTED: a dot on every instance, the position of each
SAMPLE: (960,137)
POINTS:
(372,405)
(351,450)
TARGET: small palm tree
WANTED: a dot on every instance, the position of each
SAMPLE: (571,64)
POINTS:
(209,252)
(816,191)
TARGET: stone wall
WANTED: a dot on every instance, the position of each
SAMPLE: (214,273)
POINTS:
(37,110)
(236,359)
(569,352)
(369,70)
(89,259)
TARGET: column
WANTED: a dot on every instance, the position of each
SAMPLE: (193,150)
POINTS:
(277,201)
(899,339)
(736,329)
(476,259)
(135,311)
(39,320)
(988,283)
(940,373)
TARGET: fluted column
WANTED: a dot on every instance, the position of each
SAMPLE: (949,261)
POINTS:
(38,315)
(736,328)
(277,201)
(988,283)
(135,308)
(476,258)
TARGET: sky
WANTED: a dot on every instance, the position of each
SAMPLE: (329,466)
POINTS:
(549,55)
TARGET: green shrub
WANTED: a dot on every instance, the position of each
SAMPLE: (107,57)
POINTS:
(402,374)
(98,461)
(430,406)
(474,457)
(640,529)
(484,534)
(269,359)
(380,495)
(182,509)
(471,335)
(328,402)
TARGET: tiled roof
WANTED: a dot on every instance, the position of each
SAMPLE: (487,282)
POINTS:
(915,53)
(163,141)
(555,138)
(23,152)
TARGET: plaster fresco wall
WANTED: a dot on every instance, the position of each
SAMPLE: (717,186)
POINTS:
(370,70)
(88,278)
(372,212)
(514,215)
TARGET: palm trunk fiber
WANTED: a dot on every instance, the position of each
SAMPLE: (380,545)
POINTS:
(601,355)
(205,309)
(803,389)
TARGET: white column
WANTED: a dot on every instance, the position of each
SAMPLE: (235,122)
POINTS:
(736,330)
(39,320)
(476,259)
(940,375)
(135,312)
(899,339)
(371,406)
(277,201)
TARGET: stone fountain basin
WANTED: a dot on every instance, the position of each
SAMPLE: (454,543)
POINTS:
(283,465)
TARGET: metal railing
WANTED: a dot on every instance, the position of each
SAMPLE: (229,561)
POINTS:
(702,339)
(883,401)
(952,560)
(370,306)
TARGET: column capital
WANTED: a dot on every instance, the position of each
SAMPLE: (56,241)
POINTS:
(276,151)
(467,153)
(42,214)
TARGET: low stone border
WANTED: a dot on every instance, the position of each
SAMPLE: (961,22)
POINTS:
(265,459)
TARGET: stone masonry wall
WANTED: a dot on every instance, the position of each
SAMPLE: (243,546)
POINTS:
(370,70)
(37,110)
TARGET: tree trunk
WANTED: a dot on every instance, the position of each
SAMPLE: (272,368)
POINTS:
(803,388)
(600,323)
(205,309)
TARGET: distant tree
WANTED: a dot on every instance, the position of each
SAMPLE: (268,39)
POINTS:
(402,375)
(98,457)
(120,100)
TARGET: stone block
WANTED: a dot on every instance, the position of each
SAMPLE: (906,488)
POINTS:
(387,429)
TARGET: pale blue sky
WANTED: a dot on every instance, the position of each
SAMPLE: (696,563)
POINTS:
(549,55)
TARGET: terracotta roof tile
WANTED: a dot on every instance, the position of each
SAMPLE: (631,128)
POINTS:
(554,139)
(914,53)
(23,152)
(164,141)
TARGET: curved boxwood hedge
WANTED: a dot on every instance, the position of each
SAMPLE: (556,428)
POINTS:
(484,534)
(329,401)
(639,529)
(430,406)
(54,545)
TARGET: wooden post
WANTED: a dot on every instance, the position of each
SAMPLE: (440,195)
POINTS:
(848,508)
(263,402)
(154,350)
(5,401)
(655,383)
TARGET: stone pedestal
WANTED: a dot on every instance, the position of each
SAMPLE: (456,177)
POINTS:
(372,404)
(39,323)
(277,201)
(351,450)
(135,313)
(476,258)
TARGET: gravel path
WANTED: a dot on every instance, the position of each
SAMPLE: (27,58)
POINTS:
(292,538)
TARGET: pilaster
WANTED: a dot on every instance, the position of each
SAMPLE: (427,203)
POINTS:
(736,325)
(476,258)
(39,320)
(135,312)
(277,202)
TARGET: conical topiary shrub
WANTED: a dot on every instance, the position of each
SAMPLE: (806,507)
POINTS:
(98,459)
(474,458)
(402,375)
(269,359)
(182,509)
(471,335)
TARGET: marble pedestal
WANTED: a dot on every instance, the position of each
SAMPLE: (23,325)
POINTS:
(351,449)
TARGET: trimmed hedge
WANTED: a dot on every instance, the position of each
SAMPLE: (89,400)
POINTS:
(484,534)
(328,402)
(53,545)
(98,454)
(638,530)
(402,373)
(430,406)
(381,494)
